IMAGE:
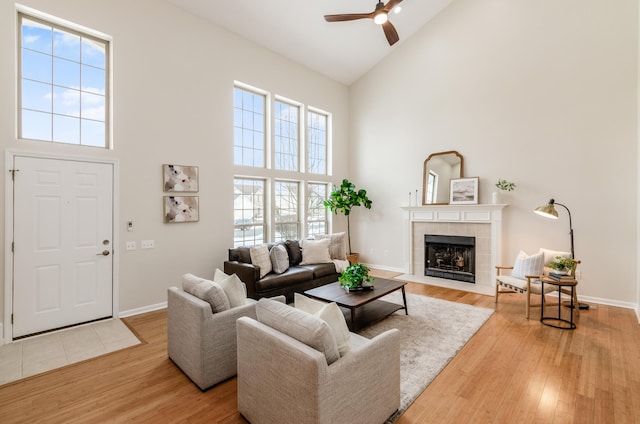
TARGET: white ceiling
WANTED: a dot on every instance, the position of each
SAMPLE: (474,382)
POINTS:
(296,29)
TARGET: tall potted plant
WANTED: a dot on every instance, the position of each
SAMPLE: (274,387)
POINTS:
(343,199)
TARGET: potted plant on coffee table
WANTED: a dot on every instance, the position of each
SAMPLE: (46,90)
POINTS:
(356,278)
(343,199)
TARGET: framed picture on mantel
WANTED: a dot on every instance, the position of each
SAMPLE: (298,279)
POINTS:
(464,191)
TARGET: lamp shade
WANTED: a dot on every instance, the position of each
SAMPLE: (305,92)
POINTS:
(548,210)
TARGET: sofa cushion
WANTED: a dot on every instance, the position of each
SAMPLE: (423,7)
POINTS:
(293,249)
(321,270)
(337,247)
(315,252)
(299,325)
(260,257)
(292,276)
(240,254)
(279,258)
(329,313)
(206,290)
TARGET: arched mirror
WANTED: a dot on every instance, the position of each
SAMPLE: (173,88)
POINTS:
(439,169)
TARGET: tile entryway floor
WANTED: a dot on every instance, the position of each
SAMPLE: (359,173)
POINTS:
(46,352)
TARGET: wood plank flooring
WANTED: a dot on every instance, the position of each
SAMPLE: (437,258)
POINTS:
(512,371)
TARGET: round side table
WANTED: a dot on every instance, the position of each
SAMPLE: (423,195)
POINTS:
(559,322)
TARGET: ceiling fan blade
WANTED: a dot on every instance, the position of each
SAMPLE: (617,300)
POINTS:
(347,17)
(390,32)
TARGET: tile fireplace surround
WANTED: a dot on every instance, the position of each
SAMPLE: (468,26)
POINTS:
(484,222)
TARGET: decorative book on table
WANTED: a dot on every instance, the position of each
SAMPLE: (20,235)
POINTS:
(560,277)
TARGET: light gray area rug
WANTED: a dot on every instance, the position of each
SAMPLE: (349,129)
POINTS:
(432,334)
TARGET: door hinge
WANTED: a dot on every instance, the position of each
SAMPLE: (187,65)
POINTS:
(13,173)
(11,318)
(13,246)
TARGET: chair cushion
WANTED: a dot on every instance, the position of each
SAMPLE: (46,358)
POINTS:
(315,252)
(260,257)
(329,313)
(299,325)
(337,249)
(279,259)
(528,265)
(206,290)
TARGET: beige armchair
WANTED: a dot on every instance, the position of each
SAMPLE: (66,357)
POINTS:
(283,380)
(203,344)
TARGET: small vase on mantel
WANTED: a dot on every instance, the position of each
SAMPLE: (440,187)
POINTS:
(495,197)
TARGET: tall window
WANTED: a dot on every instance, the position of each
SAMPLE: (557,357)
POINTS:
(317,142)
(287,136)
(64,84)
(249,126)
(286,142)
(248,211)
(287,217)
(317,213)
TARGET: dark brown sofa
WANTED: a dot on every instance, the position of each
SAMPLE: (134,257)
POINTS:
(297,278)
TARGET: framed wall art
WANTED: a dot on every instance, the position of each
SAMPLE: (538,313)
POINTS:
(181,209)
(180,178)
(464,191)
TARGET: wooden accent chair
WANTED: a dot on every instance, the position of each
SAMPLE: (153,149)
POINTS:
(531,284)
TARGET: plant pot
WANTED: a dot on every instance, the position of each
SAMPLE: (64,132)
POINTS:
(353,258)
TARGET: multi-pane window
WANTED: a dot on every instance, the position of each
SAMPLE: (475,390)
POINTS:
(286,136)
(248,211)
(64,84)
(317,142)
(249,127)
(286,214)
(317,213)
(288,141)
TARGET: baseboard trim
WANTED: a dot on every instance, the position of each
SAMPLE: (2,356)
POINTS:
(142,310)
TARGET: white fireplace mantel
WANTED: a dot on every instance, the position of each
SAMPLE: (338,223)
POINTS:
(489,214)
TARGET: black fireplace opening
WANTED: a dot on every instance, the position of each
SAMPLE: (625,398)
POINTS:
(450,257)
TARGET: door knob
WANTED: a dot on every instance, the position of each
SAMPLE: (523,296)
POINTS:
(104,253)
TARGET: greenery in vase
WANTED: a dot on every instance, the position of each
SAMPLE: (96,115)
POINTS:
(505,185)
(345,198)
(355,275)
(561,263)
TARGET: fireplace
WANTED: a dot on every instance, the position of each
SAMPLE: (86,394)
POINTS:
(450,257)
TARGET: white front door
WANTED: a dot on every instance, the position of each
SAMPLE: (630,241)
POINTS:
(63,243)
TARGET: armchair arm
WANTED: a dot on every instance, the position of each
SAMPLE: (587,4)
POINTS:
(502,267)
(247,273)
(374,364)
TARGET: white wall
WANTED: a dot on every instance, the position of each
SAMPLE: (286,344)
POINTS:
(173,80)
(542,93)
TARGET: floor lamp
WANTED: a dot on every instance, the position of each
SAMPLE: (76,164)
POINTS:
(549,211)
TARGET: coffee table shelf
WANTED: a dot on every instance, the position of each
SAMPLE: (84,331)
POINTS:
(362,308)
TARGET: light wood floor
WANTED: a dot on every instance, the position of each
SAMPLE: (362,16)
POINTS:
(512,371)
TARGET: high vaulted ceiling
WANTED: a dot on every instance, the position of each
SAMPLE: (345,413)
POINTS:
(296,29)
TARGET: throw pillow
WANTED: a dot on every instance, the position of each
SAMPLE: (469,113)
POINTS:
(206,290)
(295,254)
(528,265)
(329,313)
(260,257)
(235,290)
(279,259)
(337,249)
(220,276)
(315,252)
(299,325)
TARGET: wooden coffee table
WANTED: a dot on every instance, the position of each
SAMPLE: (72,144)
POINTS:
(362,308)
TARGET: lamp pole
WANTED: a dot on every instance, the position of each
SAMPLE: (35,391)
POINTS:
(573,256)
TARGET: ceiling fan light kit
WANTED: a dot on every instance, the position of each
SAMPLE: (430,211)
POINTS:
(380,16)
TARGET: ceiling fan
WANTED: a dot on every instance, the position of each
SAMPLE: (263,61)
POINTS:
(379,16)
